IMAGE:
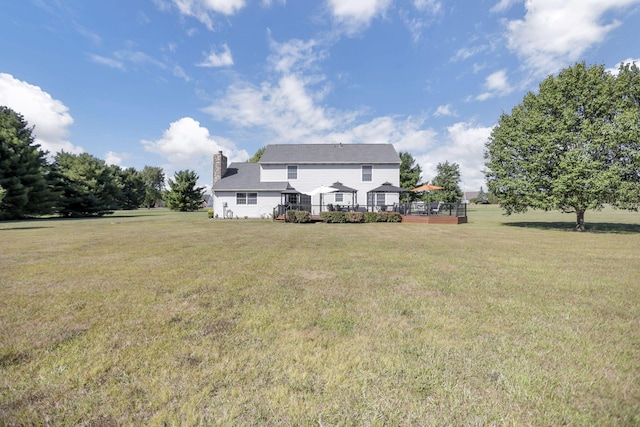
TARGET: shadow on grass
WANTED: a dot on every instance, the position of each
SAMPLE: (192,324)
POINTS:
(22,228)
(590,227)
(71,218)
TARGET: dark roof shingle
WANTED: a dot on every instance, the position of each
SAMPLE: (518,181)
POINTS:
(246,176)
(330,154)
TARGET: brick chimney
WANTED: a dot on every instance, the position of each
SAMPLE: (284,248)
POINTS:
(219,166)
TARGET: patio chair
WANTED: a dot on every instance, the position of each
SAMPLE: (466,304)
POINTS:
(421,209)
(436,210)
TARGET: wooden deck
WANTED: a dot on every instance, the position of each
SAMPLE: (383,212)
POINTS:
(418,219)
(434,219)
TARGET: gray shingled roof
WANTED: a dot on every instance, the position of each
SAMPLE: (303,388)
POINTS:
(246,176)
(330,154)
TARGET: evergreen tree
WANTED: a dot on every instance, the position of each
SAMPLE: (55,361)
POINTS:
(183,194)
(24,171)
(448,177)
(409,173)
(257,156)
(88,184)
(132,188)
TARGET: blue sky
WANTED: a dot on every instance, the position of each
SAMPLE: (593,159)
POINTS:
(171,82)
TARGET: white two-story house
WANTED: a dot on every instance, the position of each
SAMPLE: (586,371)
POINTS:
(289,174)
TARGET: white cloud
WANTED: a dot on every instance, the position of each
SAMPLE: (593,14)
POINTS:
(50,116)
(504,5)
(555,34)
(444,110)
(178,71)
(497,84)
(630,61)
(355,15)
(124,57)
(203,10)
(138,58)
(268,3)
(218,59)
(417,22)
(463,144)
(188,145)
(405,135)
(295,55)
(109,62)
(184,140)
(468,52)
(431,6)
(288,109)
(113,158)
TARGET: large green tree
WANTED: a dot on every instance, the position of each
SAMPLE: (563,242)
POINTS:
(153,178)
(88,184)
(409,173)
(132,187)
(573,146)
(448,177)
(24,171)
(183,195)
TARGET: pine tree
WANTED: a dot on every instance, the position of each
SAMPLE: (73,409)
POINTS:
(88,184)
(24,171)
(183,194)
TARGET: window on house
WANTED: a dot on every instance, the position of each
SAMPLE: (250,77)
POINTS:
(292,198)
(339,197)
(367,172)
(246,198)
(380,199)
(292,172)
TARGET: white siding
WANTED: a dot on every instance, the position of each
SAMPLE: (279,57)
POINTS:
(266,202)
(274,173)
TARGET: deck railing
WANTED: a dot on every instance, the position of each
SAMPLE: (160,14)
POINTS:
(455,209)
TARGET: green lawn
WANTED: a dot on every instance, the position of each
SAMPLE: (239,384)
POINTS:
(160,318)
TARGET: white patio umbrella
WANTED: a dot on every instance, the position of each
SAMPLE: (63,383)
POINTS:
(323,189)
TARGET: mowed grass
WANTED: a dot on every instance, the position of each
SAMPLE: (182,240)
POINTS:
(161,318)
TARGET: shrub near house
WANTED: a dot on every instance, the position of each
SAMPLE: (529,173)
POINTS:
(359,217)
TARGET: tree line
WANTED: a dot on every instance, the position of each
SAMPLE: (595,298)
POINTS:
(76,185)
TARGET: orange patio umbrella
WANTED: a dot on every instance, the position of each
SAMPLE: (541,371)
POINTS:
(427,187)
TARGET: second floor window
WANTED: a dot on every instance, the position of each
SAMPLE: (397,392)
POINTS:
(292,172)
(367,172)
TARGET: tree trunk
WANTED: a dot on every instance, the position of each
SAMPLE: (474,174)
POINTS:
(580,220)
